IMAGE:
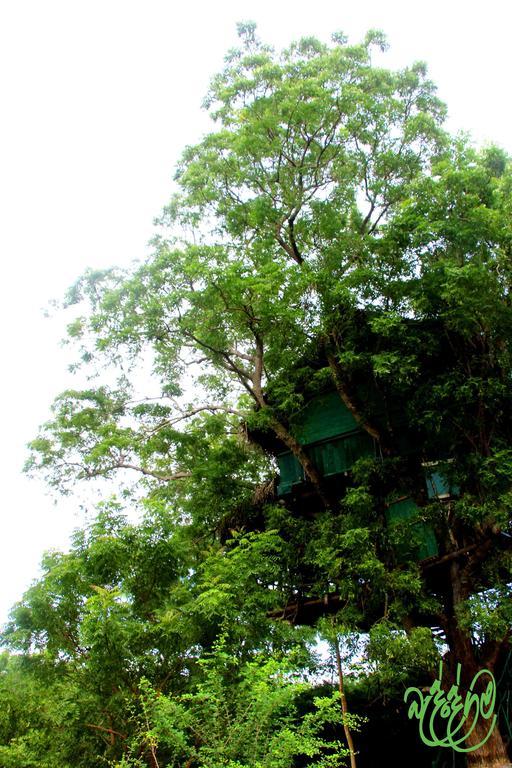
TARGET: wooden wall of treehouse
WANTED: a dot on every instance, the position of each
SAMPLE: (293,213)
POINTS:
(334,441)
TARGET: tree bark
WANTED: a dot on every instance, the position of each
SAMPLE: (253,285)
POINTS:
(347,400)
(302,457)
(256,390)
(492,754)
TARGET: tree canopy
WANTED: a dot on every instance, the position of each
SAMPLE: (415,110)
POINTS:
(327,235)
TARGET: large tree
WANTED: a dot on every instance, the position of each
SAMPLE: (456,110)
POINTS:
(326,233)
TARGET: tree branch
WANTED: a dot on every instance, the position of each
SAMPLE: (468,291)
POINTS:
(337,376)
(106,730)
(90,473)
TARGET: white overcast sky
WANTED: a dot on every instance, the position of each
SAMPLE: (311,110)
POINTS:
(97,99)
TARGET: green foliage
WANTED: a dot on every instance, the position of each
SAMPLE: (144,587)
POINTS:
(327,235)
(397,657)
(130,650)
(249,716)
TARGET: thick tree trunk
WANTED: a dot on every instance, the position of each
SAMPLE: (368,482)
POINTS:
(493,753)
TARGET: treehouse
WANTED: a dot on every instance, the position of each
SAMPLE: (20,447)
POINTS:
(418,540)
(334,441)
(332,437)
